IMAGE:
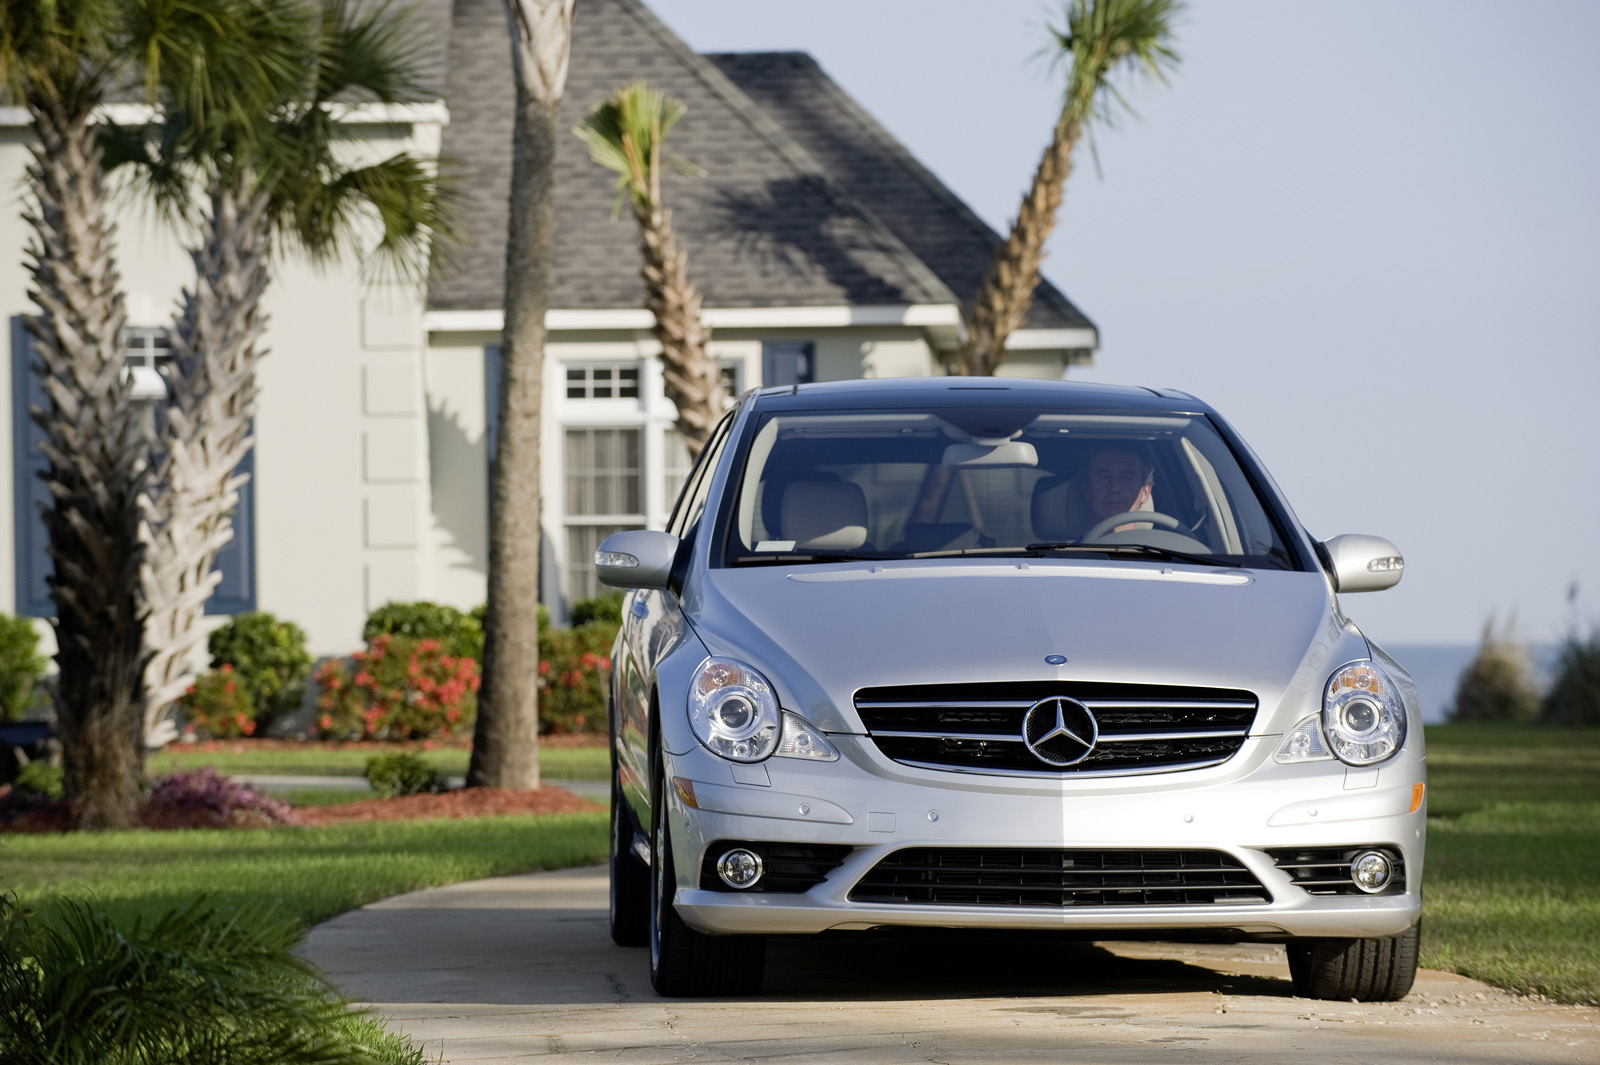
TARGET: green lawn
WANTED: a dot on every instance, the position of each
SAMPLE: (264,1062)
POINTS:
(309,873)
(557,763)
(1512,887)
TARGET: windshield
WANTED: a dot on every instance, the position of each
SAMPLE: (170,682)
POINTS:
(894,484)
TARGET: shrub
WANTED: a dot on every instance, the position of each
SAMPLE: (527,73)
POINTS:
(269,659)
(574,670)
(214,798)
(403,773)
(203,796)
(21,666)
(604,607)
(460,634)
(401,688)
(1498,685)
(40,779)
(218,705)
(196,985)
(1574,698)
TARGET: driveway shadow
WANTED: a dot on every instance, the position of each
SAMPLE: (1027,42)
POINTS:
(893,965)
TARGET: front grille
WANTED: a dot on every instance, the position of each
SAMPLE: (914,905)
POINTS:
(1326,870)
(951,876)
(790,867)
(978,727)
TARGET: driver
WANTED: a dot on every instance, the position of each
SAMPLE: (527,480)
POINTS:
(1117,480)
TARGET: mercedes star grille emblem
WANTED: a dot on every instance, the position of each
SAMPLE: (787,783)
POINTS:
(1060,731)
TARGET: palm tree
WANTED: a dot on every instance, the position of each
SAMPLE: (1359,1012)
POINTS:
(267,164)
(57,58)
(505,746)
(625,134)
(1099,37)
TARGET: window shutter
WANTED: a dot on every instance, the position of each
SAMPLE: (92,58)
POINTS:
(33,563)
(236,561)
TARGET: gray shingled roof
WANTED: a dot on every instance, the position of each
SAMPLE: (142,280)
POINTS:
(865,158)
(786,214)
(764,227)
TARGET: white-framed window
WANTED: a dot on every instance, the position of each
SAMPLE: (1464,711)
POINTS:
(602,380)
(604,494)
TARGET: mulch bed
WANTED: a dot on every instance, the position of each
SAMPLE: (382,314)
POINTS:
(267,743)
(465,802)
(46,816)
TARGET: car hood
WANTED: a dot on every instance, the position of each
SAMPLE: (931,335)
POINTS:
(822,631)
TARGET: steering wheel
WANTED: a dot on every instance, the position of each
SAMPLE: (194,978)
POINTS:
(1150,517)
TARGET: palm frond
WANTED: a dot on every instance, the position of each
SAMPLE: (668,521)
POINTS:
(225,66)
(67,47)
(198,985)
(625,134)
(369,51)
(403,193)
(1100,38)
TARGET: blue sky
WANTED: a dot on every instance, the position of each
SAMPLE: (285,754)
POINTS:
(1367,232)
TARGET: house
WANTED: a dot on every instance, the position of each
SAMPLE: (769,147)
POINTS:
(822,248)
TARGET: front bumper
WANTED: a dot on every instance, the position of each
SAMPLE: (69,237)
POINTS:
(1244,808)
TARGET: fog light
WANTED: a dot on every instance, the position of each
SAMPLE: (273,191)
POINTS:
(741,868)
(1371,871)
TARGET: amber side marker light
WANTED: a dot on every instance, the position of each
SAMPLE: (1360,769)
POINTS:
(1417,791)
(685,789)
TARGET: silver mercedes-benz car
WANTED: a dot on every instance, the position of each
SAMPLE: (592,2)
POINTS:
(1003,654)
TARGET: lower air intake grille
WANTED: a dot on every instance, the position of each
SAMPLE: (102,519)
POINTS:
(1326,870)
(950,876)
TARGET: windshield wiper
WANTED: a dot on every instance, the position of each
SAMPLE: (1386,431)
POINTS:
(786,557)
(1134,549)
(960,552)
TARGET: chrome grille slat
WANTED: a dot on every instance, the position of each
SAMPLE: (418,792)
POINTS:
(977,728)
(1150,704)
(954,704)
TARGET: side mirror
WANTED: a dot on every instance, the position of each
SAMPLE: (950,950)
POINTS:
(636,558)
(1363,563)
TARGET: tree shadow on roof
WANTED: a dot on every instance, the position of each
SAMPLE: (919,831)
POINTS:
(795,227)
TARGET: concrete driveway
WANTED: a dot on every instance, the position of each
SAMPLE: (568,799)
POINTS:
(514,968)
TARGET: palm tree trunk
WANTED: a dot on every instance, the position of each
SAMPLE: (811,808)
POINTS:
(96,463)
(505,745)
(212,398)
(1007,291)
(692,380)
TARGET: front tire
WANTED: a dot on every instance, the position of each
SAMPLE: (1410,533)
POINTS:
(683,961)
(630,878)
(1371,970)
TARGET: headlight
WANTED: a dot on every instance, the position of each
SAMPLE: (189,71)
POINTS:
(1362,714)
(733,711)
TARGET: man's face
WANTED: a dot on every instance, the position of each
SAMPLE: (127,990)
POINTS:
(1116,483)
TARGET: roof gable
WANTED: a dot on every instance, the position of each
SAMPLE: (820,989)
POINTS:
(858,153)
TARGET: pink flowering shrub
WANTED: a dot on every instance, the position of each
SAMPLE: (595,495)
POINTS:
(218,706)
(399,688)
(574,677)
